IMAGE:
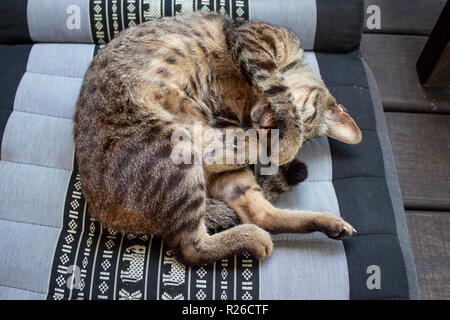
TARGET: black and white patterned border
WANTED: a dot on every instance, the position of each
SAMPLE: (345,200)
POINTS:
(111,265)
(108,17)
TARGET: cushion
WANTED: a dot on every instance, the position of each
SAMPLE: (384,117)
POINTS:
(46,228)
(50,247)
(323,25)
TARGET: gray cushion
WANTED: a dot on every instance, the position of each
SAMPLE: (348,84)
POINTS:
(45,226)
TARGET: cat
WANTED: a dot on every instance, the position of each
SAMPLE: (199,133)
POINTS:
(166,75)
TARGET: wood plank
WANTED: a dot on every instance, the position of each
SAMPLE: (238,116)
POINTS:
(433,65)
(440,75)
(416,17)
(421,146)
(392,59)
(430,243)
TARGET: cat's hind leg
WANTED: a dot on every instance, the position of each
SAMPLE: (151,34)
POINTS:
(241,192)
(219,216)
(198,247)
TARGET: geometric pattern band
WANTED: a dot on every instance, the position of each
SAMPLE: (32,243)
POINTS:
(91,262)
(108,17)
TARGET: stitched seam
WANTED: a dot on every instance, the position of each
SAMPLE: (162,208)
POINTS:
(375,234)
(35,164)
(303,240)
(347,85)
(9,286)
(12,69)
(39,114)
(56,75)
(359,177)
(33,223)
(327,239)
(45,74)
(343,178)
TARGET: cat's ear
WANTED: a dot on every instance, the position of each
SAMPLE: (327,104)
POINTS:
(342,127)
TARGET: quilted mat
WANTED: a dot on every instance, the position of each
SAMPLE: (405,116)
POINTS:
(50,247)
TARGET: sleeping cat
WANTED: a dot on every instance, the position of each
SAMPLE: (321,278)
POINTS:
(169,74)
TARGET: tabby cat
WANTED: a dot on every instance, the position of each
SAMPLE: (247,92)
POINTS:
(166,75)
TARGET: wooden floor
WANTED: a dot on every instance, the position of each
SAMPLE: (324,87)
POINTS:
(419,128)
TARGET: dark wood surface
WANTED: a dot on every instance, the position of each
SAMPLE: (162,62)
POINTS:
(440,74)
(433,65)
(419,136)
(430,243)
(406,16)
(421,145)
(392,59)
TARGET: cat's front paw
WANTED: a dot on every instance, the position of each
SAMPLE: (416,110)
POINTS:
(260,244)
(335,227)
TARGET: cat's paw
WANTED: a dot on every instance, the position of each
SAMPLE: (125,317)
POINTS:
(335,227)
(260,244)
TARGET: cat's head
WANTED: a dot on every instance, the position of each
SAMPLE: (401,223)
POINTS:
(319,112)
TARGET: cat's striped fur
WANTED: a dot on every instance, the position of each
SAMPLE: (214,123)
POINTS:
(163,76)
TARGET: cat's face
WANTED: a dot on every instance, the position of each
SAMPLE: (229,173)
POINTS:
(317,109)
(319,113)
(322,115)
